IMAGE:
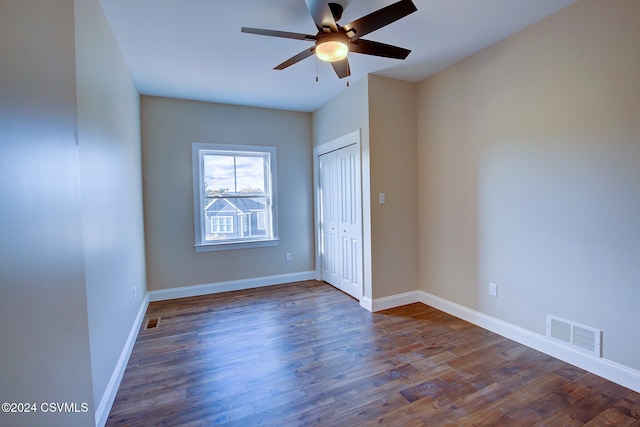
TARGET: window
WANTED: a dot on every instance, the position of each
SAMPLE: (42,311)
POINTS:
(234,196)
(261,221)
(221,224)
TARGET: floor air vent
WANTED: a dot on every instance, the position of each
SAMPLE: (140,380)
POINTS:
(580,337)
(152,323)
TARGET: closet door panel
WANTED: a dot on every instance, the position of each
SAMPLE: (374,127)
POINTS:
(350,221)
(329,222)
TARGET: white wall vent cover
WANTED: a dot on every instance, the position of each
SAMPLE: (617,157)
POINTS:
(580,337)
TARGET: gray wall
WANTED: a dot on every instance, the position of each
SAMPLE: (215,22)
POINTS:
(529,176)
(169,126)
(43,312)
(72,243)
(111,190)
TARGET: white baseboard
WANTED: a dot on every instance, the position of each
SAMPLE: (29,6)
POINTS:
(392,301)
(104,407)
(232,285)
(366,303)
(605,368)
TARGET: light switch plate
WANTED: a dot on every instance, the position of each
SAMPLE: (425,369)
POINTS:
(493,289)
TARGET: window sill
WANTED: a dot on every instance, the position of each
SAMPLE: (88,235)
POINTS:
(212,247)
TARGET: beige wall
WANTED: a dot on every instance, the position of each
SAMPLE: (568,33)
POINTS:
(344,114)
(108,132)
(44,336)
(392,135)
(169,126)
(386,116)
(529,176)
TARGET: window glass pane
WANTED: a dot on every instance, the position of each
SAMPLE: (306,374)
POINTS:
(219,216)
(250,175)
(236,218)
(255,210)
(219,175)
(262,225)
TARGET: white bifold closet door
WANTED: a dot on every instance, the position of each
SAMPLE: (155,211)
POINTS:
(341,219)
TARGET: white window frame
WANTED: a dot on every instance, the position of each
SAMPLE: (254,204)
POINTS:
(198,149)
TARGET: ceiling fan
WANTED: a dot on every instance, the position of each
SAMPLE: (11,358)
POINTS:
(333,42)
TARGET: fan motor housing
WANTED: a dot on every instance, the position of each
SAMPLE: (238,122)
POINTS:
(331,37)
(336,10)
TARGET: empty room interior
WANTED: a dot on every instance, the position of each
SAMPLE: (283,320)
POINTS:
(441,228)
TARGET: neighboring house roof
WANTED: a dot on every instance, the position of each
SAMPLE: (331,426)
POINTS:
(244,205)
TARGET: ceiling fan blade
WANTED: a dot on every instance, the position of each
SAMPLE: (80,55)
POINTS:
(275,33)
(322,16)
(369,47)
(342,68)
(296,58)
(378,19)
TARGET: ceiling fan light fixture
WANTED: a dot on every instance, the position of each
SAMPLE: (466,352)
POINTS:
(332,47)
(332,51)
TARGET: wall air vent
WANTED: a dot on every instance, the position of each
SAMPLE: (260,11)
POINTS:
(575,335)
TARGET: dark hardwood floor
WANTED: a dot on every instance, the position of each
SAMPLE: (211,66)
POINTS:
(307,354)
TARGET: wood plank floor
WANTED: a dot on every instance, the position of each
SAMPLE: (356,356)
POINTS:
(305,354)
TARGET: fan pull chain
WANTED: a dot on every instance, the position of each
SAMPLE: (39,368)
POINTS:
(348,71)
(316,69)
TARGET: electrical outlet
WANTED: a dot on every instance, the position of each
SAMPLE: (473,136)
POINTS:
(288,256)
(134,293)
(493,289)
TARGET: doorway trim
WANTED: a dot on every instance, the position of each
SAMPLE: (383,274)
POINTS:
(351,138)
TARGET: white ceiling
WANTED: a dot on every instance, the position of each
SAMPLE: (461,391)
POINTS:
(193,49)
